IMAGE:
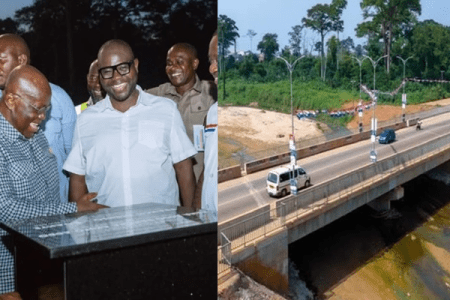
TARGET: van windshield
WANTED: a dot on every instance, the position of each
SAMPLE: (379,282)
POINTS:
(272,178)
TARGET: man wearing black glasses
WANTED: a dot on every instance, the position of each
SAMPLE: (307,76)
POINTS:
(131,147)
(28,172)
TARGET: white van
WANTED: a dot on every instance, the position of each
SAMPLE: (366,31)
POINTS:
(278,180)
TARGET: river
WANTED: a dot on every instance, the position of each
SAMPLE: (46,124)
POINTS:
(367,256)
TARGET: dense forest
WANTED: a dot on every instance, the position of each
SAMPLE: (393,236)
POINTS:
(64,36)
(327,70)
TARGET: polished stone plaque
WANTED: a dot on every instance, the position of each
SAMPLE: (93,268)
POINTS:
(120,252)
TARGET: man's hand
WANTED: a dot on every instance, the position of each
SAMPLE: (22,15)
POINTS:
(85,203)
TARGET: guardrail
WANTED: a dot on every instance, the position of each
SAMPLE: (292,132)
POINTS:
(332,191)
(276,156)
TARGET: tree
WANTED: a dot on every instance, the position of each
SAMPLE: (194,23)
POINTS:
(251,34)
(431,44)
(268,45)
(295,40)
(8,26)
(383,20)
(323,18)
(227,33)
(359,50)
(338,7)
(348,44)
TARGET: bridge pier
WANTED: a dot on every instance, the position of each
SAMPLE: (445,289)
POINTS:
(267,261)
(384,202)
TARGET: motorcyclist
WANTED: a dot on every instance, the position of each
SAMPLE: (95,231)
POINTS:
(419,125)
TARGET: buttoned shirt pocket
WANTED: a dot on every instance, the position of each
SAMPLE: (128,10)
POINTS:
(198,105)
(151,134)
(21,173)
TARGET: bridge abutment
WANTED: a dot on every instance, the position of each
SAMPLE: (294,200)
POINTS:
(267,262)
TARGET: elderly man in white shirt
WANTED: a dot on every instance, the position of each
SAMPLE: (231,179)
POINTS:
(130,147)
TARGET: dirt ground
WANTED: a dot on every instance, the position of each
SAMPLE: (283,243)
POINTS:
(252,129)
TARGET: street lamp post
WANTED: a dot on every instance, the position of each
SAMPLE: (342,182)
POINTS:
(404,95)
(373,153)
(292,138)
(359,109)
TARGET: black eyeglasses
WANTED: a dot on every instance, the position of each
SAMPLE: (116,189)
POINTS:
(122,69)
(39,111)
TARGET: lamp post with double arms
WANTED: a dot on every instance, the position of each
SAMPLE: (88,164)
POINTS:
(292,137)
(403,95)
(373,153)
(359,108)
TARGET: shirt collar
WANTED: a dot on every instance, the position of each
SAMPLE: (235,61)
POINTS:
(106,103)
(9,132)
(197,87)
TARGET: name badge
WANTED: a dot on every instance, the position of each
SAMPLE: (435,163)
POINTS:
(199,138)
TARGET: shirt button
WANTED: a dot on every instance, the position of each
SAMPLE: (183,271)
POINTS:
(199,107)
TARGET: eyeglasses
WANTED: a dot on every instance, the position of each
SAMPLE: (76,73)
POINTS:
(39,111)
(122,69)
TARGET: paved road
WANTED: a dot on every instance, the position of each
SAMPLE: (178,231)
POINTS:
(243,194)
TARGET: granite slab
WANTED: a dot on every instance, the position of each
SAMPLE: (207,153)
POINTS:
(68,235)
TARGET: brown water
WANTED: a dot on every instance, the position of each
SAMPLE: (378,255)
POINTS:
(362,257)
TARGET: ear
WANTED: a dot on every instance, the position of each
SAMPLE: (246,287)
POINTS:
(136,64)
(195,63)
(10,101)
(23,59)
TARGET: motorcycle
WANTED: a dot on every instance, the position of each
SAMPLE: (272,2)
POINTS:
(419,126)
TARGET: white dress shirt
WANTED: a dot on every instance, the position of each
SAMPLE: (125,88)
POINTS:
(128,158)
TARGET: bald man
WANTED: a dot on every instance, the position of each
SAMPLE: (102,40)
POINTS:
(60,122)
(29,185)
(131,147)
(192,95)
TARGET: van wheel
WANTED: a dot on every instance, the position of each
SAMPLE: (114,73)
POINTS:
(283,193)
(307,183)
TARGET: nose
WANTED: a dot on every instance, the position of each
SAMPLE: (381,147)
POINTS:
(116,74)
(213,68)
(42,115)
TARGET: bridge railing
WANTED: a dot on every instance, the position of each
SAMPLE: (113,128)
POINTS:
(348,183)
(224,255)
(258,226)
(242,159)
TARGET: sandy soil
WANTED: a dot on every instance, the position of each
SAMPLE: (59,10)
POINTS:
(252,129)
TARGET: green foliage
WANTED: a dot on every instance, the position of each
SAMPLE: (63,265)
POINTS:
(311,95)
(227,32)
(269,45)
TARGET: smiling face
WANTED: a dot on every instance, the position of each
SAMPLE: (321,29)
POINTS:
(27,94)
(181,65)
(120,88)
(93,83)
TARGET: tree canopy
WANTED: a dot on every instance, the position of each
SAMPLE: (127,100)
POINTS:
(384,19)
(325,18)
(296,39)
(269,45)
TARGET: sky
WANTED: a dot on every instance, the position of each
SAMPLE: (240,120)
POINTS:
(269,16)
(9,7)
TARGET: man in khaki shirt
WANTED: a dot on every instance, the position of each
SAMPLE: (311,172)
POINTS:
(192,95)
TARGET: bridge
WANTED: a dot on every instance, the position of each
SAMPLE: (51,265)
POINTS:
(257,240)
